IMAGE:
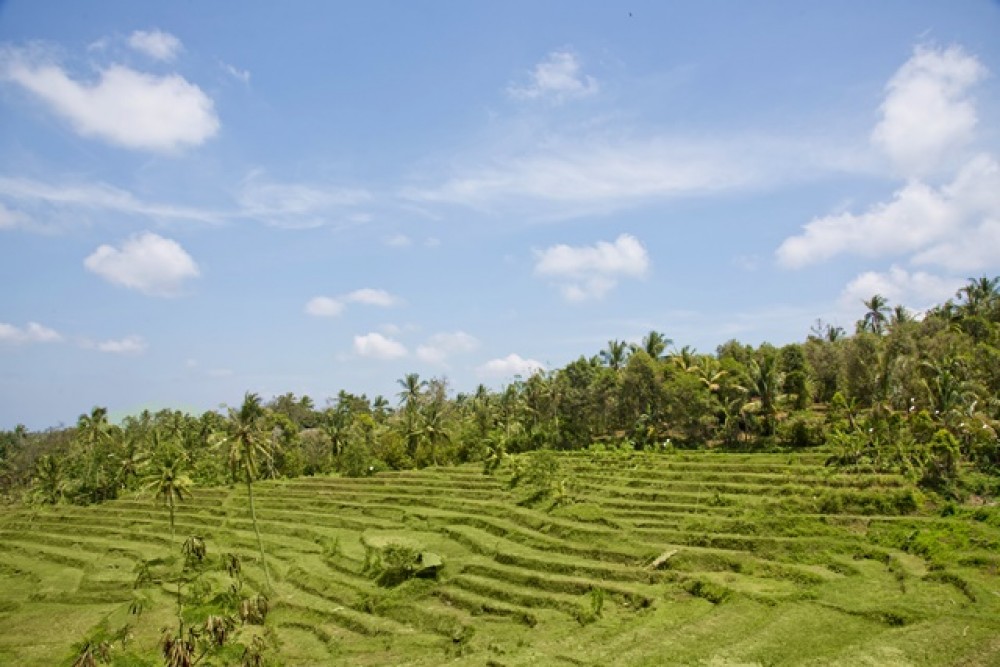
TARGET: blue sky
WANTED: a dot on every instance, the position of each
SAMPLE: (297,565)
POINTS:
(200,199)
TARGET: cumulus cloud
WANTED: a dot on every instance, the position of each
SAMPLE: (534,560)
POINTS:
(145,262)
(916,215)
(918,289)
(590,272)
(377,346)
(33,332)
(127,345)
(123,106)
(511,365)
(557,78)
(951,226)
(325,306)
(156,44)
(441,346)
(926,114)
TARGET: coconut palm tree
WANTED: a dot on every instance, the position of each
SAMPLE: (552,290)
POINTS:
(615,354)
(981,295)
(655,344)
(413,388)
(168,483)
(248,437)
(877,315)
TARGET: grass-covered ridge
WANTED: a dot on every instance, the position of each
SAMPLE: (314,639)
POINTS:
(589,558)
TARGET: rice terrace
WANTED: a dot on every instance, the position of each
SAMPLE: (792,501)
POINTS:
(500,334)
(526,527)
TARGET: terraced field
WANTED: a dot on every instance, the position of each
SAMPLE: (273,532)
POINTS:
(669,559)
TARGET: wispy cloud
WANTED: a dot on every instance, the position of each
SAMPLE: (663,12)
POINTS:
(589,172)
(235,72)
(441,346)
(95,197)
(556,78)
(156,44)
(145,262)
(129,345)
(300,205)
(590,272)
(326,306)
(33,332)
(124,107)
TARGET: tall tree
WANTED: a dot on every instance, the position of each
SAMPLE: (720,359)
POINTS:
(615,354)
(655,344)
(168,482)
(248,438)
(877,315)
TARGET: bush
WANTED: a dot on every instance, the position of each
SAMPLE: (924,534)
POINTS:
(803,429)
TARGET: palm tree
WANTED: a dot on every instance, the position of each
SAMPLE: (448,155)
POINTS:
(615,355)
(433,428)
(877,315)
(412,390)
(248,438)
(900,315)
(765,385)
(685,359)
(981,295)
(655,344)
(168,483)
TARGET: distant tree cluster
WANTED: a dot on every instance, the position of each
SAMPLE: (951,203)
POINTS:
(915,394)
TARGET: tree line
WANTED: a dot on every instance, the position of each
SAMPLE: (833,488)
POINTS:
(912,394)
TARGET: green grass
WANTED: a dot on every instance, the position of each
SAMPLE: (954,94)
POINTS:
(773,560)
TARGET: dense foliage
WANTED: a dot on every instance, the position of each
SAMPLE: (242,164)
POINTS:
(903,393)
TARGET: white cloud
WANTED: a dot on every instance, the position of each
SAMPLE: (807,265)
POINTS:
(586,272)
(556,78)
(300,205)
(377,346)
(32,333)
(235,72)
(511,365)
(951,226)
(918,290)
(324,306)
(124,107)
(917,215)
(99,197)
(127,345)
(926,115)
(558,177)
(398,241)
(11,219)
(440,346)
(371,297)
(155,44)
(145,262)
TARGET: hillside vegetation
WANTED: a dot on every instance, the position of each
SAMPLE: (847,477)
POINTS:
(592,558)
(827,502)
